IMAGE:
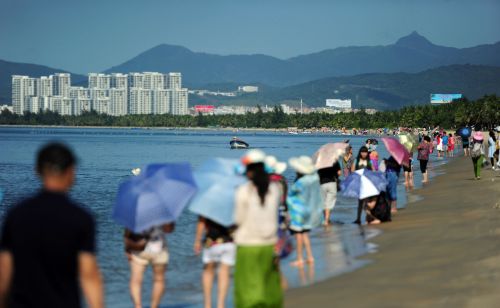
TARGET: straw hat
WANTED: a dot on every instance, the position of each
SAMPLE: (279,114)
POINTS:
(478,136)
(302,164)
(276,166)
(253,157)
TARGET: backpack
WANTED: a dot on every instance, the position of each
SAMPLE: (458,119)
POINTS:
(476,150)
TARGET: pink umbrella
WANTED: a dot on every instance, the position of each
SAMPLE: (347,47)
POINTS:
(397,150)
(478,136)
(328,154)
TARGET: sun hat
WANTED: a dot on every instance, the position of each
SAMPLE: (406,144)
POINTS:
(478,136)
(497,128)
(275,165)
(302,164)
(253,157)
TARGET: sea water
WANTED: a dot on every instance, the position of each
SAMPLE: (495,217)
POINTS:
(105,159)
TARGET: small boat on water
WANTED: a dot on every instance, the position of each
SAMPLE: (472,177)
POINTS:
(236,143)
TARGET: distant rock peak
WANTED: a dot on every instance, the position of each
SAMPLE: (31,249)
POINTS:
(414,40)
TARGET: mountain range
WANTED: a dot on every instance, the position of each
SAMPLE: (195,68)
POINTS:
(381,76)
(410,54)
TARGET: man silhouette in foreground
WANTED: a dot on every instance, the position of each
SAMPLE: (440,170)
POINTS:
(47,244)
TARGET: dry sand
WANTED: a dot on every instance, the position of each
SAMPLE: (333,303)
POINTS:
(443,251)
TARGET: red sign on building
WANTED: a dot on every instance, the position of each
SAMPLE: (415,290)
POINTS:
(204,108)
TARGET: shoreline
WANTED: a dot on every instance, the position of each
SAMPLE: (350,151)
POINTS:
(439,251)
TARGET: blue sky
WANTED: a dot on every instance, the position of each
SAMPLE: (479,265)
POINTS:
(92,35)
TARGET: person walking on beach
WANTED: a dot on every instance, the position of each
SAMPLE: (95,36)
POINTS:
(347,161)
(141,249)
(408,170)
(424,150)
(374,157)
(305,206)
(477,154)
(219,250)
(492,142)
(465,145)
(362,161)
(439,145)
(392,170)
(47,243)
(257,276)
(451,145)
(329,178)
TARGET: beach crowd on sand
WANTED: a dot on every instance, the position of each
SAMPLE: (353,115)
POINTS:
(249,217)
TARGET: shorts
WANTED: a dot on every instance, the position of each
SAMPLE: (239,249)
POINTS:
(409,168)
(293,232)
(144,257)
(392,185)
(445,148)
(465,145)
(329,194)
(423,165)
(224,253)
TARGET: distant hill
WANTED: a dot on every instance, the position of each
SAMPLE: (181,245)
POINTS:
(411,54)
(380,91)
(7,69)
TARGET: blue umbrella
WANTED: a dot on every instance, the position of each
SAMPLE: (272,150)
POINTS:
(217,181)
(156,196)
(363,184)
(464,132)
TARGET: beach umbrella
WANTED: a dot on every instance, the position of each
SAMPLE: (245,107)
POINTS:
(464,132)
(217,180)
(154,197)
(328,154)
(478,136)
(397,150)
(409,142)
(363,183)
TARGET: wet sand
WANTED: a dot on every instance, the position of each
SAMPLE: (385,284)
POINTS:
(442,251)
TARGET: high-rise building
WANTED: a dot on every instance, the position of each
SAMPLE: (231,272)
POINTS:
(174,81)
(82,105)
(101,105)
(99,81)
(153,81)
(179,102)
(61,82)
(61,105)
(140,101)
(119,81)
(136,80)
(45,86)
(22,88)
(118,102)
(161,101)
(33,104)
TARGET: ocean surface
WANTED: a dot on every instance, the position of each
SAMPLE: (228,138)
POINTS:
(106,157)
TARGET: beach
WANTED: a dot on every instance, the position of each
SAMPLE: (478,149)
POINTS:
(441,251)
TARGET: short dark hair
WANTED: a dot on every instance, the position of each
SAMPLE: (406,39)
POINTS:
(427,138)
(54,157)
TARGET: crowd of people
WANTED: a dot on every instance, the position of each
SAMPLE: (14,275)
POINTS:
(37,267)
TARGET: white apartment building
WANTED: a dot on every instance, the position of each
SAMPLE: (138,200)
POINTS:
(118,102)
(61,82)
(119,81)
(161,101)
(179,101)
(61,105)
(99,81)
(174,81)
(22,88)
(101,105)
(140,101)
(34,104)
(153,81)
(45,86)
(81,105)
(136,80)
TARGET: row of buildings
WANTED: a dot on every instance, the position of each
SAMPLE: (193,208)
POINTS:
(113,94)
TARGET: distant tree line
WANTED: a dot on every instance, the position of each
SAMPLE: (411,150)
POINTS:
(482,113)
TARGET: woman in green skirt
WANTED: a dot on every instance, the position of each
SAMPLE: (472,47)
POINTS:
(257,281)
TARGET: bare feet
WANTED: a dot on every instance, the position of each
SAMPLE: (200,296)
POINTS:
(297,263)
(394,210)
(310,261)
(375,222)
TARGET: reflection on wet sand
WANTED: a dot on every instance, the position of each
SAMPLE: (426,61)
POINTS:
(335,248)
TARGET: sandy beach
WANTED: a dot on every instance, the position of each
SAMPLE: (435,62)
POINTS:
(442,251)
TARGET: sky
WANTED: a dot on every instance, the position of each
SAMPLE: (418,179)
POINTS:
(84,36)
